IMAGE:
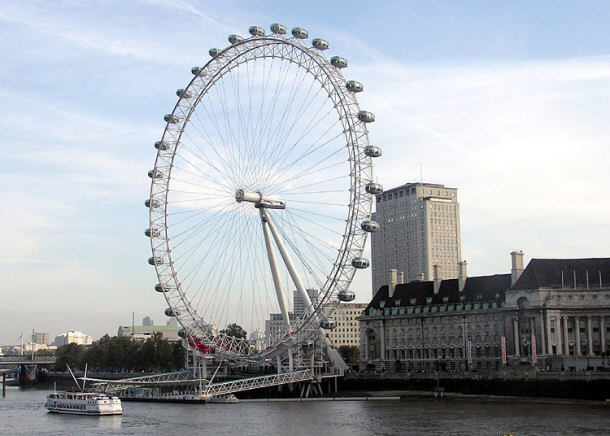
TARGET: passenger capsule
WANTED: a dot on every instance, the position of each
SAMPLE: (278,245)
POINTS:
(198,71)
(300,33)
(369,226)
(171,312)
(328,324)
(256,31)
(234,39)
(346,295)
(320,44)
(214,52)
(155,261)
(155,174)
(360,262)
(354,86)
(366,116)
(374,188)
(338,62)
(152,232)
(154,203)
(159,287)
(372,151)
(278,29)
(161,145)
(171,119)
(184,93)
(182,333)
(308,343)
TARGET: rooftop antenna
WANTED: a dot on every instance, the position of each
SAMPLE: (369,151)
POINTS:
(562,286)
(421,174)
(600,278)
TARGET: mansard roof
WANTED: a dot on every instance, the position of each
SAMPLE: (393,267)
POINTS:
(547,273)
(483,288)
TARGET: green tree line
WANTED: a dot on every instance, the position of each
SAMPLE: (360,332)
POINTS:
(121,353)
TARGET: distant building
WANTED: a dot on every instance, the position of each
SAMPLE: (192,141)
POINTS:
(347,331)
(42,338)
(147,322)
(418,236)
(275,323)
(72,337)
(172,322)
(299,304)
(554,314)
(141,333)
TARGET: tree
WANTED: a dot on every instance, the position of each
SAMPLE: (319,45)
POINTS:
(235,330)
(350,354)
(70,354)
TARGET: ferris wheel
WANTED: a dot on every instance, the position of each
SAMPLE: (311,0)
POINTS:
(261,195)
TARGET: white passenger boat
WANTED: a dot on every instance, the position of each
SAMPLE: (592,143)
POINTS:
(226,398)
(84,403)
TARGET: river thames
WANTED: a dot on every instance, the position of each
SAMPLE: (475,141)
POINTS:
(22,412)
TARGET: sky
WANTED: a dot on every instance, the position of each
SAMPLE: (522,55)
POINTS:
(507,101)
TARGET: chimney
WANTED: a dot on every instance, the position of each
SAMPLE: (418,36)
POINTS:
(401,277)
(462,274)
(392,284)
(437,278)
(517,266)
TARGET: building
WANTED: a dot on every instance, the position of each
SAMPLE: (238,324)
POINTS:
(554,314)
(41,338)
(419,233)
(275,324)
(172,322)
(141,333)
(347,331)
(147,322)
(299,304)
(72,337)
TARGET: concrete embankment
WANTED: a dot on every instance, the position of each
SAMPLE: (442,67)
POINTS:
(545,385)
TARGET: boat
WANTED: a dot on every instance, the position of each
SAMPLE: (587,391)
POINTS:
(223,399)
(84,403)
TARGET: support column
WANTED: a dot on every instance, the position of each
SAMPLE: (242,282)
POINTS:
(577,336)
(516,337)
(590,336)
(602,333)
(558,335)
(566,338)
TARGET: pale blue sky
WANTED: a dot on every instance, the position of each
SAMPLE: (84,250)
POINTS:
(507,101)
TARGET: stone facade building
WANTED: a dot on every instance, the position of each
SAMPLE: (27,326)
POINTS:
(347,331)
(554,314)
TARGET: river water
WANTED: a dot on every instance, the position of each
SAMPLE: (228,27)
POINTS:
(22,412)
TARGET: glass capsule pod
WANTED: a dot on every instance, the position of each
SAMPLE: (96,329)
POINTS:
(155,261)
(155,174)
(374,188)
(354,86)
(346,295)
(161,145)
(154,203)
(360,262)
(171,312)
(214,52)
(366,116)
(369,226)
(256,31)
(328,324)
(338,62)
(234,39)
(183,93)
(198,71)
(152,232)
(320,44)
(159,287)
(278,29)
(300,33)
(171,118)
(372,151)
(182,333)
